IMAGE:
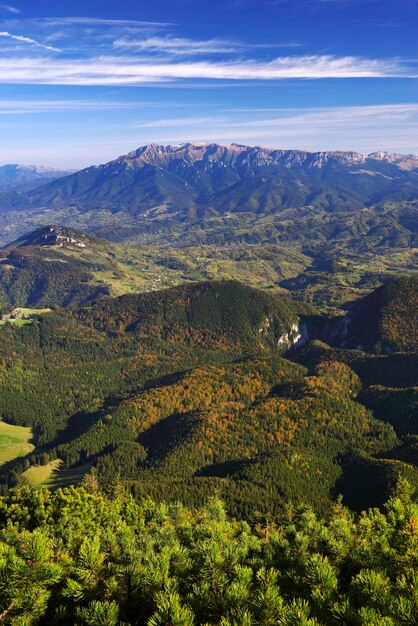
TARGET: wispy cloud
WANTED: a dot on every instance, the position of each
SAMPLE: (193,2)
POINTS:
(177,122)
(183,46)
(96,21)
(28,40)
(116,70)
(21,107)
(10,9)
(360,128)
(112,52)
(289,118)
(338,116)
(177,45)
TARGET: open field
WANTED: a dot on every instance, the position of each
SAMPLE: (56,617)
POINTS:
(14,442)
(51,475)
(38,475)
(22,315)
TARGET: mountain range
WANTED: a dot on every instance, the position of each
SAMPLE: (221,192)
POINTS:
(141,358)
(216,194)
(26,177)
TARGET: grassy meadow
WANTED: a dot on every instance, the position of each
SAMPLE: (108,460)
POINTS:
(52,475)
(15,442)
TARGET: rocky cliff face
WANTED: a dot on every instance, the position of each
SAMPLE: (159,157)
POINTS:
(297,336)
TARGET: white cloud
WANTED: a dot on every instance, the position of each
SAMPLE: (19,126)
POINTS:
(20,107)
(359,128)
(181,121)
(95,21)
(10,9)
(183,46)
(291,119)
(336,116)
(29,40)
(114,70)
(177,45)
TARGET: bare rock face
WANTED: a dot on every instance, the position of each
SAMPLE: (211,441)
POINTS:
(406,161)
(235,154)
(297,336)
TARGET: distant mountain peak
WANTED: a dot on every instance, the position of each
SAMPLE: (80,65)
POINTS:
(38,169)
(409,161)
(385,155)
(156,154)
(25,177)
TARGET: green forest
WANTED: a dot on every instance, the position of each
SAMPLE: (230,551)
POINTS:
(79,557)
(201,388)
(211,454)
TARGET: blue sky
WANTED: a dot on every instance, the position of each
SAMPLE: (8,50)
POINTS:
(84,81)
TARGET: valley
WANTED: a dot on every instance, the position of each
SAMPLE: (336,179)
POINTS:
(327,227)
(208,313)
(211,358)
(238,348)
(211,194)
(42,273)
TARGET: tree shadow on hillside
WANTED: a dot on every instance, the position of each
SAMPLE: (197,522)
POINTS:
(169,433)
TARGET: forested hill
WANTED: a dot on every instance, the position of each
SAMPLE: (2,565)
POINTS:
(62,266)
(385,320)
(56,266)
(184,391)
(204,314)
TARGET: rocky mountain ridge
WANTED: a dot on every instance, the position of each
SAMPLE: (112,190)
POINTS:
(157,154)
(215,194)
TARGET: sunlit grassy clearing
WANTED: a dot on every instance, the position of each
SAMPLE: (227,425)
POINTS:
(38,475)
(51,475)
(14,442)
(22,315)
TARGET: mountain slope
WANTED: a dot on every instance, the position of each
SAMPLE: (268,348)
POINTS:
(224,315)
(385,320)
(97,352)
(193,175)
(47,268)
